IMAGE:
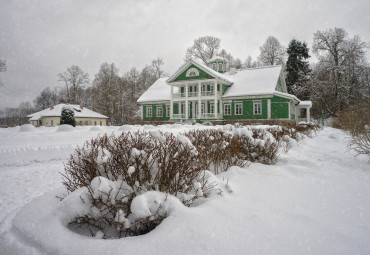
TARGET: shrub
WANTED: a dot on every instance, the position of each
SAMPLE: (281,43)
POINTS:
(115,170)
(356,121)
(67,117)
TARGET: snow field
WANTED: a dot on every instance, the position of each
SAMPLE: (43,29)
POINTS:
(313,201)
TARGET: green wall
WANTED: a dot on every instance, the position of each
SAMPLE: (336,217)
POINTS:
(279,109)
(154,112)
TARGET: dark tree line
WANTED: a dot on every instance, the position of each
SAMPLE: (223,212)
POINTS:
(108,93)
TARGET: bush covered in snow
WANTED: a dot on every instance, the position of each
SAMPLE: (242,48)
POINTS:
(127,184)
(67,117)
(114,171)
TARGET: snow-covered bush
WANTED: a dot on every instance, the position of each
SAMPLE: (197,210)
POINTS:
(114,170)
(218,150)
(67,117)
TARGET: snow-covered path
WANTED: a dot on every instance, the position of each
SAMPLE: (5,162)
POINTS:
(315,200)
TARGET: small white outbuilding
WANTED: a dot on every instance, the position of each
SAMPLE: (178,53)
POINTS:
(51,116)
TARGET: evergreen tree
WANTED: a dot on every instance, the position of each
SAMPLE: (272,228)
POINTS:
(67,117)
(298,69)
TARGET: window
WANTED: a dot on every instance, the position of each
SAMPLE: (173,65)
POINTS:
(95,122)
(168,111)
(238,108)
(211,108)
(52,123)
(159,111)
(149,111)
(220,67)
(227,109)
(257,108)
(81,123)
(101,123)
(192,72)
(86,123)
(214,66)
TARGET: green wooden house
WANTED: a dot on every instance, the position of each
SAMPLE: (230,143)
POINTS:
(198,93)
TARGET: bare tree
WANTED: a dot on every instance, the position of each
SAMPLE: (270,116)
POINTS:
(75,79)
(341,76)
(157,67)
(106,93)
(203,48)
(3,68)
(271,52)
(46,99)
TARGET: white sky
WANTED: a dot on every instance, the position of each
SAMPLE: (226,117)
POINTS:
(41,38)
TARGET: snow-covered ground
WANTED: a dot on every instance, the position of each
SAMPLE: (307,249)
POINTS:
(315,200)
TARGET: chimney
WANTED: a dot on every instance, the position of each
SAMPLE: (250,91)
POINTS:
(51,107)
(81,106)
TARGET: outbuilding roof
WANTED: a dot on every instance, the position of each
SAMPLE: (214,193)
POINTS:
(56,111)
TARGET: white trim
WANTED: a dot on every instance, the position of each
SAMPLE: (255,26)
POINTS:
(227,104)
(151,111)
(259,102)
(241,108)
(161,111)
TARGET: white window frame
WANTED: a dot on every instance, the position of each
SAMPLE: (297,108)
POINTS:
(159,109)
(149,109)
(257,110)
(168,109)
(228,111)
(236,107)
(211,108)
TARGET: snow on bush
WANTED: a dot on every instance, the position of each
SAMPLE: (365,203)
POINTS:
(126,128)
(27,128)
(96,128)
(126,185)
(65,128)
(113,171)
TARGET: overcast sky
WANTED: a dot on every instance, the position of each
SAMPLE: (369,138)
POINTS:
(41,38)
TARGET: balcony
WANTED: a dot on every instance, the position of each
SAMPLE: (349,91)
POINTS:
(193,95)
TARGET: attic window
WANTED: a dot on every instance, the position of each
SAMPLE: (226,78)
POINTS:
(192,72)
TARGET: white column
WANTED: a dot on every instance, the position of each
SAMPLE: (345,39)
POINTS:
(171,104)
(215,94)
(186,101)
(269,109)
(199,101)
(180,108)
(308,109)
(205,107)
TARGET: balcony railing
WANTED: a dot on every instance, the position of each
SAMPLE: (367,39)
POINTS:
(195,94)
(179,116)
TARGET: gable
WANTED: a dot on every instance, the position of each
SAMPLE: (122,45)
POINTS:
(193,73)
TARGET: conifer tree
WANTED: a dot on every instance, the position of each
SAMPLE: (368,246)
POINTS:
(298,69)
(67,117)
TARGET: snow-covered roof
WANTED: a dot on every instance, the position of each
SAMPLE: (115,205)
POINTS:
(158,91)
(256,81)
(217,58)
(56,111)
(205,68)
(305,103)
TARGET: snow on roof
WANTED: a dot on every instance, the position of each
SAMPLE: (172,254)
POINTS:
(305,103)
(158,91)
(56,111)
(217,58)
(213,72)
(256,81)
